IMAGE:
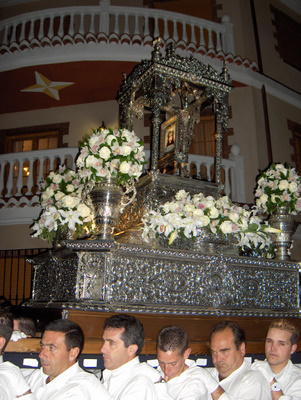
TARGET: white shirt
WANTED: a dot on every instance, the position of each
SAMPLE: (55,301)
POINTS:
(243,384)
(189,385)
(134,381)
(74,383)
(290,381)
(12,383)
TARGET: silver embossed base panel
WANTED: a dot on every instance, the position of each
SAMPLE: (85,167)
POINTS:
(95,275)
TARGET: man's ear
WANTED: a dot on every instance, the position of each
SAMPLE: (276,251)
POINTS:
(187,353)
(132,350)
(242,348)
(74,352)
(2,343)
(294,348)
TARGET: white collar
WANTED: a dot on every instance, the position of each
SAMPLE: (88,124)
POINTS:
(236,372)
(61,379)
(121,370)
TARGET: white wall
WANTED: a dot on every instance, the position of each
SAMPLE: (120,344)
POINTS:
(83,118)
(245,123)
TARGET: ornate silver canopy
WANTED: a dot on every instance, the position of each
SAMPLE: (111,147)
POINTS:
(175,89)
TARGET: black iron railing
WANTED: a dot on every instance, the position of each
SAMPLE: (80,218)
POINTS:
(16,275)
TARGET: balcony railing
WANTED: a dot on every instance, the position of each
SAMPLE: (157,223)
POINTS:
(67,26)
(21,173)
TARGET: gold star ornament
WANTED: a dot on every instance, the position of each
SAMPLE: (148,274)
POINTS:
(44,85)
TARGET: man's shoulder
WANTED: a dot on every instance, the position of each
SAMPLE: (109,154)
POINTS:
(258,363)
(6,365)
(293,370)
(87,380)
(192,374)
(195,370)
(79,382)
(8,369)
(138,378)
(81,374)
(35,374)
(297,368)
(145,370)
(212,371)
(243,372)
(254,375)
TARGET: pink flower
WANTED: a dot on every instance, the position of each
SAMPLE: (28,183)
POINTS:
(298,205)
(162,228)
(235,228)
(94,148)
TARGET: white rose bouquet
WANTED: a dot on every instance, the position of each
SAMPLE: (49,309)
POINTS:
(278,186)
(118,154)
(184,216)
(62,206)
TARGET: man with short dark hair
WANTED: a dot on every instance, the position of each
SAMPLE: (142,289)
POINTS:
(185,380)
(282,375)
(12,383)
(125,377)
(236,378)
(25,325)
(60,376)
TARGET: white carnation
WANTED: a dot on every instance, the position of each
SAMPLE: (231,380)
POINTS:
(283,185)
(226,227)
(94,140)
(126,150)
(293,187)
(214,212)
(48,193)
(83,210)
(109,139)
(104,153)
(189,208)
(264,198)
(128,135)
(80,160)
(124,167)
(262,182)
(181,195)
(204,220)
(234,217)
(69,201)
(70,188)
(91,161)
(57,179)
(197,213)
(209,202)
(58,195)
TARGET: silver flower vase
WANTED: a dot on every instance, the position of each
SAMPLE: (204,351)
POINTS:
(60,236)
(107,199)
(282,240)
